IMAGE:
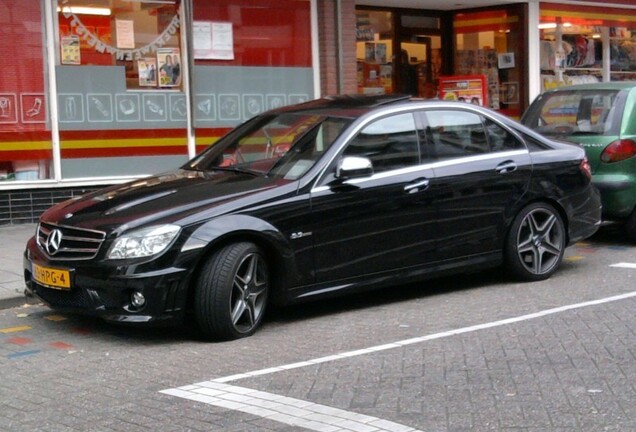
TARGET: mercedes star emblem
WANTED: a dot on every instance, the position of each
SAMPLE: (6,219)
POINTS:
(53,242)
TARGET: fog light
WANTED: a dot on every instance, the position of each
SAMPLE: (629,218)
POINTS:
(137,299)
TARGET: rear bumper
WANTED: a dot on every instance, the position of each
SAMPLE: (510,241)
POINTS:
(585,217)
(618,194)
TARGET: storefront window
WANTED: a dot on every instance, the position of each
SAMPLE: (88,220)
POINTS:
(249,56)
(490,44)
(583,44)
(25,137)
(398,51)
(374,51)
(121,107)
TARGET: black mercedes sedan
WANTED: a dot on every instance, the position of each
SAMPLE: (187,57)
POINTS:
(328,197)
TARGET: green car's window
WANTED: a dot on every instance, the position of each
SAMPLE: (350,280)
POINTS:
(575,113)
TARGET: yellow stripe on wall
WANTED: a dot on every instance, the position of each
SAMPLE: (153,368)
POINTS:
(486,21)
(627,17)
(116,143)
(25,145)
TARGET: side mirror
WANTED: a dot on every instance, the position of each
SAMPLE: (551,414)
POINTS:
(353,167)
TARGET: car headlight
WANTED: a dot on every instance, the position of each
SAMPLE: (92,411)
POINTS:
(143,243)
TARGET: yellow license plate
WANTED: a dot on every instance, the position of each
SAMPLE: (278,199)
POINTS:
(53,278)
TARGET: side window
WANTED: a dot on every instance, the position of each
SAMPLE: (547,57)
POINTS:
(390,143)
(500,139)
(452,134)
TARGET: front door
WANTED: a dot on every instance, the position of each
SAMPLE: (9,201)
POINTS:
(376,223)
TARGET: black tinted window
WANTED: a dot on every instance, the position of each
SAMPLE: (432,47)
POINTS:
(454,133)
(390,143)
(500,139)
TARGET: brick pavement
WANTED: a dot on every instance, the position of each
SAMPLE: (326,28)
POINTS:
(13,238)
(570,371)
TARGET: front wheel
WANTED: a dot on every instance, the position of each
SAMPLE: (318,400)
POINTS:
(231,292)
(536,243)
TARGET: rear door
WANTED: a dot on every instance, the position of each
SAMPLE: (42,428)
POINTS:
(481,173)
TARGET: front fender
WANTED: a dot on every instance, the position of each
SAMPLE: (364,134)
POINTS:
(234,228)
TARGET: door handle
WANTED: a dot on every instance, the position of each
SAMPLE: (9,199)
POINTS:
(416,185)
(506,167)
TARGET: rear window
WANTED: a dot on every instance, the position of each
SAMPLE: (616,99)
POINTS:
(580,112)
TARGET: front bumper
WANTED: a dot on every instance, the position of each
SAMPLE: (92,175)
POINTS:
(106,291)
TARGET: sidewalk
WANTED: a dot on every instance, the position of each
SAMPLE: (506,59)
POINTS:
(13,239)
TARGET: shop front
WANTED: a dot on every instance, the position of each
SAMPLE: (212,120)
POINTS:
(516,49)
(466,54)
(98,92)
(586,44)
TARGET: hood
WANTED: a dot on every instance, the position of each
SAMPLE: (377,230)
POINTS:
(165,198)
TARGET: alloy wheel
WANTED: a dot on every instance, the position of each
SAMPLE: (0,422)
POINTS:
(540,241)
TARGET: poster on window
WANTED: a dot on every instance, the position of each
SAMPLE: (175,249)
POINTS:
(169,67)
(147,68)
(125,31)
(70,50)
(213,40)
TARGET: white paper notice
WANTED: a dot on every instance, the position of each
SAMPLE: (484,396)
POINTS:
(213,40)
(202,35)
(222,38)
(125,33)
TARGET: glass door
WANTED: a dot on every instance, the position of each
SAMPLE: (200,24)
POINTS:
(415,66)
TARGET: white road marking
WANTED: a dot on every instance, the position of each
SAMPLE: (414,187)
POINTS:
(294,412)
(624,265)
(323,418)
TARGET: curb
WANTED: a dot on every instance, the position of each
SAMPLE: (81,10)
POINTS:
(9,303)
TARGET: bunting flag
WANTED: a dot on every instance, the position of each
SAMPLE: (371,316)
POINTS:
(122,54)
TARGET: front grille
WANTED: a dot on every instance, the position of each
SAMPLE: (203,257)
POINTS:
(63,299)
(61,242)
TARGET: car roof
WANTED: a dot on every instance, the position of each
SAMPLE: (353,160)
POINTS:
(353,106)
(350,105)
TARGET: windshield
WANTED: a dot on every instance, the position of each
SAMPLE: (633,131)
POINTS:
(285,145)
(582,112)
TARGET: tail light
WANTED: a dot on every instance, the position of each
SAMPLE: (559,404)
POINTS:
(586,168)
(619,150)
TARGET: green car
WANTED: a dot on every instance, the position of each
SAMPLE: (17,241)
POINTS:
(602,118)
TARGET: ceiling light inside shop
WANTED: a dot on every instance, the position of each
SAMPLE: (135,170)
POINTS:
(84,10)
(152,1)
(544,26)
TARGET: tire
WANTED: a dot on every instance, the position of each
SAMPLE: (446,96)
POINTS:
(536,243)
(630,227)
(231,292)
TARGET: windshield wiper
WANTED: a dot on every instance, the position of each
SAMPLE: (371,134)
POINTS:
(237,170)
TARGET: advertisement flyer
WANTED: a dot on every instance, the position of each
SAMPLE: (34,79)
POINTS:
(147,72)
(70,50)
(169,67)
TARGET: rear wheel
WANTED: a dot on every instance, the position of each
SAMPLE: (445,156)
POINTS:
(535,243)
(231,292)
